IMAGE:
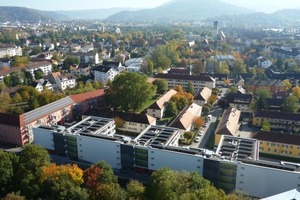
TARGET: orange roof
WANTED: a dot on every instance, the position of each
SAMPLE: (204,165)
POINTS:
(77,98)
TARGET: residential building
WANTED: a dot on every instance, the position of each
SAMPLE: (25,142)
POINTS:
(104,73)
(240,101)
(185,119)
(10,51)
(198,82)
(278,143)
(45,66)
(201,97)
(269,85)
(293,194)
(278,120)
(132,122)
(38,86)
(86,57)
(284,54)
(17,129)
(228,125)
(134,61)
(84,70)
(274,104)
(234,166)
(65,81)
(264,62)
(158,107)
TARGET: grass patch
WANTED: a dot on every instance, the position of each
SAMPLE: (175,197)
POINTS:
(127,133)
(146,104)
(277,157)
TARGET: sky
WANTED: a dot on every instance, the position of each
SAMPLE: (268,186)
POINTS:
(257,5)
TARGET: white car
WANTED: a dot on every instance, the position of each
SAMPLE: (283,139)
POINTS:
(200,133)
(197,139)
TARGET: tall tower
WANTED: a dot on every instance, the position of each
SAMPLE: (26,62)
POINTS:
(216,30)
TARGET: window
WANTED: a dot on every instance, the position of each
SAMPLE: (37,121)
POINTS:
(269,149)
(291,146)
(275,150)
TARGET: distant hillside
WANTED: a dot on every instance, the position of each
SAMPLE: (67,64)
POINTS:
(92,14)
(281,18)
(21,14)
(180,10)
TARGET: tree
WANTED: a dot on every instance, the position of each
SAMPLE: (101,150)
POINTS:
(135,190)
(13,196)
(227,81)
(188,135)
(159,70)
(17,98)
(119,122)
(190,88)
(8,166)
(296,91)
(70,60)
(36,50)
(149,67)
(32,159)
(291,104)
(205,109)
(212,99)
(129,91)
(171,109)
(198,67)
(38,74)
(178,88)
(239,66)
(161,85)
(287,84)
(167,184)
(111,191)
(198,122)
(266,126)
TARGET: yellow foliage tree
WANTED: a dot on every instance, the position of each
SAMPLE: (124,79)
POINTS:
(56,172)
(287,84)
(296,91)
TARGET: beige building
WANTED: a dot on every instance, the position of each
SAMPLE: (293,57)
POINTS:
(202,96)
(157,108)
(228,125)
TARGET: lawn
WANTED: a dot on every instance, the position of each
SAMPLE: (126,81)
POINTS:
(147,104)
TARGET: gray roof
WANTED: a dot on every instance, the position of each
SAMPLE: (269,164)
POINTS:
(45,110)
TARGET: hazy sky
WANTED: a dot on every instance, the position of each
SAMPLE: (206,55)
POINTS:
(258,5)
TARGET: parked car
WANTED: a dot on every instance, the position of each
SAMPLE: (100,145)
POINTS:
(205,125)
(200,133)
(197,139)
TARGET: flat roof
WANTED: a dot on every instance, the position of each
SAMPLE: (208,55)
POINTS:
(158,136)
(235,148)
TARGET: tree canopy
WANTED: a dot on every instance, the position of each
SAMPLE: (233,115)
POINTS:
(129,91)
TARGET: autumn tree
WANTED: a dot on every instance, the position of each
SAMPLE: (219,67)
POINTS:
(212,99)
(296,91)
(287,84)
(129,91)
(135,190)
(178,88)
(119,122)
(198,122)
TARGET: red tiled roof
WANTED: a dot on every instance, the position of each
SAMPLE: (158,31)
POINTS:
(77,98)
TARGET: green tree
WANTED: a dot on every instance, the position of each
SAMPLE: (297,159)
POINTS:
(17,98)
(135,190)
(8,166)
(38,74)
(96,84)
(70,60)
(171,109)
(291,104)
(150,68)
(266,126)
(206,109)
(13,196)
(190,88)
(188,135)
(32,159)
(198,67)
(36,50)
(239,66)
(161,84)
(15,79)
(129,91)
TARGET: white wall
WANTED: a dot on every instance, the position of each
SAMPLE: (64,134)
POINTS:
(43,137)
(174,160)
(261,181)
(94,150)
